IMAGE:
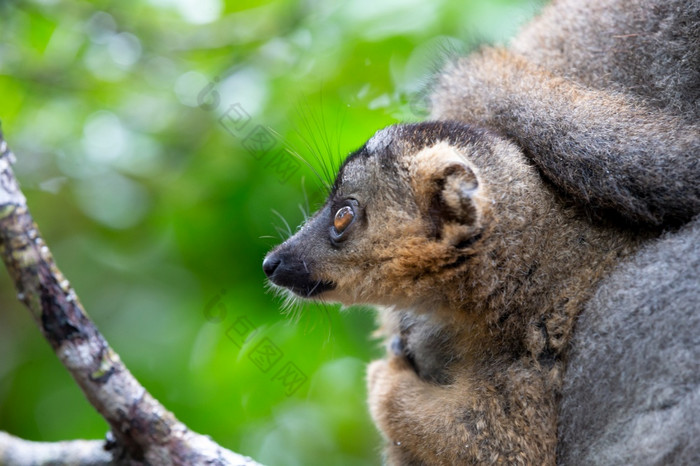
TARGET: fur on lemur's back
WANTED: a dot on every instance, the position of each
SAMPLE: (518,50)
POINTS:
(632,389)
(603,97)
(647,49)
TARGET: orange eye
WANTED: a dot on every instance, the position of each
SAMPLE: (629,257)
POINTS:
(343,218)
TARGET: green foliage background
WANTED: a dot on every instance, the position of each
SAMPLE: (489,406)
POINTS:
(154,209)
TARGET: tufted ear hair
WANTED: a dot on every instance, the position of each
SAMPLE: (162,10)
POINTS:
(446,186)
(454,198)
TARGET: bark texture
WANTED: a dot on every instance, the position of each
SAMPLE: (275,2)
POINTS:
(144,431)
(14,450)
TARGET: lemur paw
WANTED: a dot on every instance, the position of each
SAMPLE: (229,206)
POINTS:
(386,380)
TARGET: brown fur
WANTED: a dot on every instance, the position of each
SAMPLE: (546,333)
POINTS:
(604,96)
(479,264)
(456,225)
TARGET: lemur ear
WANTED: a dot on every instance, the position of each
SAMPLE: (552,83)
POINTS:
(455,199)
(445,186)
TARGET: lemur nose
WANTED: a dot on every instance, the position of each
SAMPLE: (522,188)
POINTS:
(270,264)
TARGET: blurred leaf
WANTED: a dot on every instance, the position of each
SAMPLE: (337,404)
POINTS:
(132,124)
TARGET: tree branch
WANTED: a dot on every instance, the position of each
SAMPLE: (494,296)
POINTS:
(15,451)
(144,431)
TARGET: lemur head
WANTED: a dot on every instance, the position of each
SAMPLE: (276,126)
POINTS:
(406,215)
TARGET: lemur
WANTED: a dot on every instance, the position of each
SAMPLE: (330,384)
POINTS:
(546,174)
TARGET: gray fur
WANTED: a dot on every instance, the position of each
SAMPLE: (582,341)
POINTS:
(603,96)
(632,389)
(649,49)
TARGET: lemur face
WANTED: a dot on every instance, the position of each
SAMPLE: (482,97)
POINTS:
(401,218)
